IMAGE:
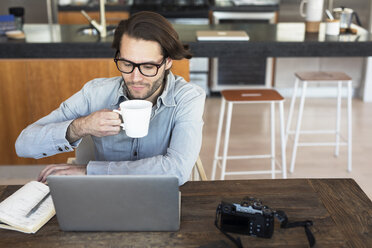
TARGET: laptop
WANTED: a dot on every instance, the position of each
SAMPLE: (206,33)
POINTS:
(222,35)
(116,203)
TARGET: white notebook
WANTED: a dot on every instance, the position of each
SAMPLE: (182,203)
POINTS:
(221,35)
(28,209)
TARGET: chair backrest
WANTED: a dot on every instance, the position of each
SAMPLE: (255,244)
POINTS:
(85,151)
(181,68)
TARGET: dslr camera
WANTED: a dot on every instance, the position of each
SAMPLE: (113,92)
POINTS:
(249,218)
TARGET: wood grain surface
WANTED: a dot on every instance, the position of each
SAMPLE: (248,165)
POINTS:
(340,210)
(322,76)
(75,17)
(255,95)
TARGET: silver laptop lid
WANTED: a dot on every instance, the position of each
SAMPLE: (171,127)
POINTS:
(116,203)
(222,35)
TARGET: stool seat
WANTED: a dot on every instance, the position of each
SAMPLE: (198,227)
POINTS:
(322,76)
(251,95)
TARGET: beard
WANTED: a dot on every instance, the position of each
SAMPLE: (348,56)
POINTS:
(150,87)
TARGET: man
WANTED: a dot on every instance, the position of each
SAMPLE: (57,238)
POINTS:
(146,44)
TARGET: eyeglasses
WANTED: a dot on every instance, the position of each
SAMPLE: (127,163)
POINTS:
(146,69)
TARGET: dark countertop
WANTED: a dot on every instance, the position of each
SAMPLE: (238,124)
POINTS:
(268,6)
(267,40)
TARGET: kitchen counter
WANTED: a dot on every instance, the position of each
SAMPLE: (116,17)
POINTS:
(254,6)
(267,40)
(268,6)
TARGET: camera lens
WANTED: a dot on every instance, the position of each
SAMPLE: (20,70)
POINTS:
(226,209)
(257,205)
(267,211)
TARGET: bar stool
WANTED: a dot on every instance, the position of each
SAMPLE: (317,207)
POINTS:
(243,97)
(339,78)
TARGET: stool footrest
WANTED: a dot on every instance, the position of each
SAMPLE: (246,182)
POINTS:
(251,172)
(247,157)
(322,144)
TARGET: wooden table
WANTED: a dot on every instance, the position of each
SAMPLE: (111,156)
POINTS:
(340,210)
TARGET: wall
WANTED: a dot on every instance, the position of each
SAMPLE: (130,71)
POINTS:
(35,10)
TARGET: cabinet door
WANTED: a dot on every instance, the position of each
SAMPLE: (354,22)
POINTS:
(52,81)
(75,17)
(14,108)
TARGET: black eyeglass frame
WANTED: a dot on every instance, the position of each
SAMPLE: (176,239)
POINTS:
(139,65)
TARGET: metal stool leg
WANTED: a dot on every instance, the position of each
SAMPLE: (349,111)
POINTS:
(290,113)
(349,125)
(226,141)
(338,118)
(219,130)
(282,140)
(299,119)
(272,132)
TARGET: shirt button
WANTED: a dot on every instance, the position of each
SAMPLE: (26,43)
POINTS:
(135,154)
(66,148)
(60,149)
(44,154)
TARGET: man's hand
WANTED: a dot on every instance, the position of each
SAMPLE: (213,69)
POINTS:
(101,123)
(61,169)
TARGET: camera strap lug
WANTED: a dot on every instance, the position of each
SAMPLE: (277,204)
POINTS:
(283,219)
(236,241)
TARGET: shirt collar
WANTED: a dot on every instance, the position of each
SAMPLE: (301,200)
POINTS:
(167,96)
(120,96)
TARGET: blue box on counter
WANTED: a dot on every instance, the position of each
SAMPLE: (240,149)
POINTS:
(7,23)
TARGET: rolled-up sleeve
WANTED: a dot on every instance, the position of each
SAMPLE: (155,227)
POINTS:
(47,136)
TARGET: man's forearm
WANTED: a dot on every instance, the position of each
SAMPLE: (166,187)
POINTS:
(75,130)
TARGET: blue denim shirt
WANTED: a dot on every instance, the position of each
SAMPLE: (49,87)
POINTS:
(170,148)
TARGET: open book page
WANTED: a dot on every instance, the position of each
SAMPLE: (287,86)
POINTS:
(15,208)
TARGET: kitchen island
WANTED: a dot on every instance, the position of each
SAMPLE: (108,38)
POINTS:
(268,40)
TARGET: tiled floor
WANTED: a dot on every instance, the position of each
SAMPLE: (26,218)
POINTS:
(250,134)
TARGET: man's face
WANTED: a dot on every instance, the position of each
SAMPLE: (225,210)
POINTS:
(142,51)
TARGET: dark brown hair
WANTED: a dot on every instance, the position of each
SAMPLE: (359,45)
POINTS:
(151,26)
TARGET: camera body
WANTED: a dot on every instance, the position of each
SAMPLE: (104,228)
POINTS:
(249,218)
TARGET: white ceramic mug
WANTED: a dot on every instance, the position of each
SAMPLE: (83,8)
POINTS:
(136,117)
(314,10)
(332,27)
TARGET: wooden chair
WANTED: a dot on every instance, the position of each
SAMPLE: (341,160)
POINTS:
(198,173)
